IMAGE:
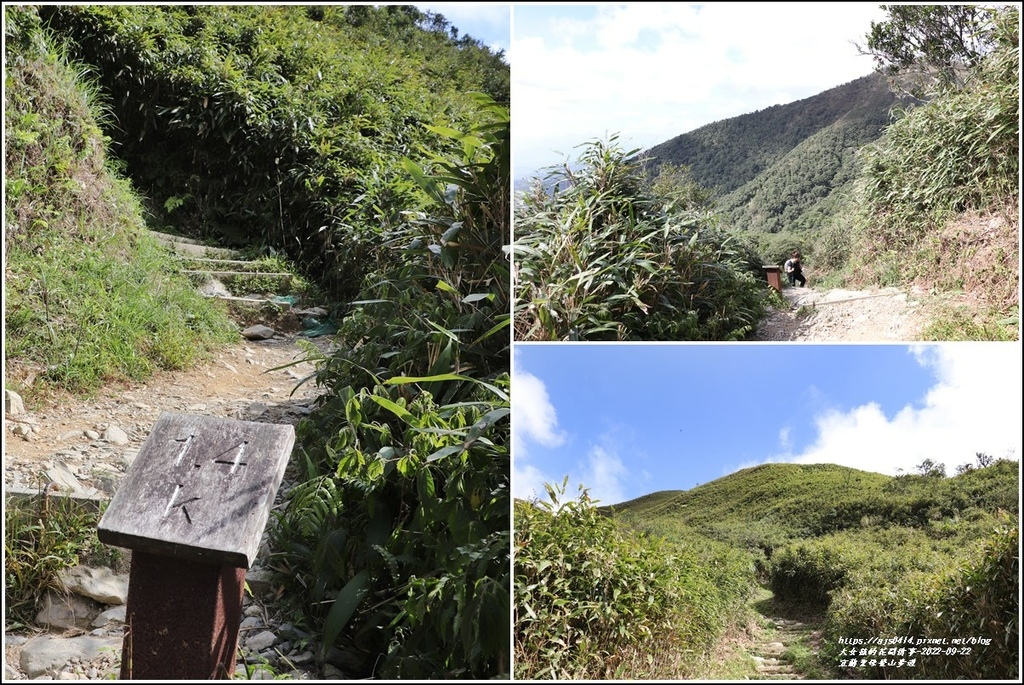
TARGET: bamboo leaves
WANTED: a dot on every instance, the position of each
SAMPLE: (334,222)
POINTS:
(605,259)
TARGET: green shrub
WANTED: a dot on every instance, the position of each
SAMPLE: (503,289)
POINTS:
(398,553)
(395,543)
(807,572)
(957,152)
(970,594)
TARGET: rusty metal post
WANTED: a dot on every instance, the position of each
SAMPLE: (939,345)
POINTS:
(192,509)
(774,276)
(182,618)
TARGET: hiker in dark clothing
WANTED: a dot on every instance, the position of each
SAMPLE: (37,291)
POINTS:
(794,271)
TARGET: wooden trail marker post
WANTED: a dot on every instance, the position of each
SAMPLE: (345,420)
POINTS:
(192,508)
(774,276)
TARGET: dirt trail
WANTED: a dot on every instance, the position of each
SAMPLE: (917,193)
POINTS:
(241,381)
(880,315)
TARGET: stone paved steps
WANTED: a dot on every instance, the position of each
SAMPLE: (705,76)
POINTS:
(767,655)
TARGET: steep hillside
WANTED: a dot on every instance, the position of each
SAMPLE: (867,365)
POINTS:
(803,189)
(939,200)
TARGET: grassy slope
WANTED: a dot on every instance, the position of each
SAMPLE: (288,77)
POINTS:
(89,297)
(789,497)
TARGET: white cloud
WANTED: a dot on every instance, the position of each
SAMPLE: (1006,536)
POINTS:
(528,481)
(534,422)
(603,475)
(784,440)
(535,417)
(975,406)
(655,70)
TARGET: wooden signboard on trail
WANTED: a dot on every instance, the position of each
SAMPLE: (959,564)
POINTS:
(200,490)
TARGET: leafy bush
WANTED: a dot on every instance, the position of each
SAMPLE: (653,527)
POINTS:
(442,306)
(399,552)
(807,572)
(603,259)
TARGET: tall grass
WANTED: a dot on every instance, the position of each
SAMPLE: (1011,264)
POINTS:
(395,543)
(940,190)
(42,538)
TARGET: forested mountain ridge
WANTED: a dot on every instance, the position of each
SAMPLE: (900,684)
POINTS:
(770,167)
(725,155)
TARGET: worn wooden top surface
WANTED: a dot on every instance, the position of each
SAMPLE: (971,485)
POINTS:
(201,488)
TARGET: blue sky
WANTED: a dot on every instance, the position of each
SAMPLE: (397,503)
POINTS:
(652,71)
(627,420)
(489,22)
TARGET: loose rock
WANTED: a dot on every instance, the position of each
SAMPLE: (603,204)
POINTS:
(115,436)
(100,584)
(13,404)
(258,332)
(48,654)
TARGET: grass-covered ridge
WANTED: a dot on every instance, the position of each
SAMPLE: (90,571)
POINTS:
(89,297)
(918,554)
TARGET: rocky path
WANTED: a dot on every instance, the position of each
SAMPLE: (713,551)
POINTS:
(880,315)
(775,641)
(773,651)
(82,448)
(784,644)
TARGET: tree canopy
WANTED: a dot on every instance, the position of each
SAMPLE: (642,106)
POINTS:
(934,44)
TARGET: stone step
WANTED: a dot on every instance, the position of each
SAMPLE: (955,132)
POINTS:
(192,248)
(771,649)
(261,274)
